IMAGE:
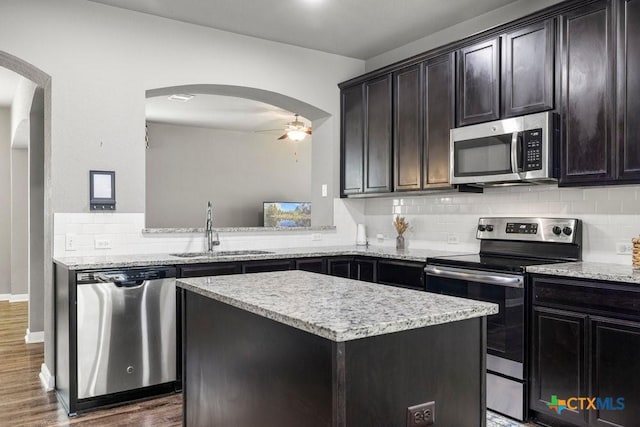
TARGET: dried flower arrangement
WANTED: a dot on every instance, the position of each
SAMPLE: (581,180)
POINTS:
(401,224)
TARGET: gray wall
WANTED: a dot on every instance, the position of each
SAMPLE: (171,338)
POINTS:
(36,213)
(5,200)
(19,221)
(237,171)
(480,23)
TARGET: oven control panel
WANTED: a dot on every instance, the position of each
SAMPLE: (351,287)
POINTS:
(553,230)
(522,228)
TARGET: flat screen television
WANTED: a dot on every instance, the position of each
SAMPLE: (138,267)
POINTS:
(287,214)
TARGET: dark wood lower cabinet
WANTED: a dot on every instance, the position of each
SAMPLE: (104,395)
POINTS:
(401,273)
(213,269)
(615,370)
(585,343)
(558,363)
(264,266)
(352,268)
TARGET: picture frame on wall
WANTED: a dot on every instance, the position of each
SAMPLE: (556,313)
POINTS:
(102,190)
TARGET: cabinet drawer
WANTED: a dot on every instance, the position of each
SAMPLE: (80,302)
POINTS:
(265,266)
(608,298)
(202,270)
(403,274)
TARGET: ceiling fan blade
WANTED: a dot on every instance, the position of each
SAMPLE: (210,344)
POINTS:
(283,137)
(268,130)
(308,131)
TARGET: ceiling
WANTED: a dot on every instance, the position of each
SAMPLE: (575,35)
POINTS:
(219,112)
(355,28)
(8,85)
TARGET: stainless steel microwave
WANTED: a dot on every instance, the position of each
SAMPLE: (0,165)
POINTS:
(518,150)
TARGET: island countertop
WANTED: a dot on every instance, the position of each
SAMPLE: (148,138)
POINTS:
(335,308)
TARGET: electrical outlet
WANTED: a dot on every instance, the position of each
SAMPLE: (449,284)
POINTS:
(316,236)
(421,415)
(380,237)
(102,243)
(452,239)
(70,242)
(324,190)
(624,248)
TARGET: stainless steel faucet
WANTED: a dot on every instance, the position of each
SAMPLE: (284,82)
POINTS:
(208,231)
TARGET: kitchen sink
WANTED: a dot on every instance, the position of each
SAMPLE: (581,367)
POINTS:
(218,253)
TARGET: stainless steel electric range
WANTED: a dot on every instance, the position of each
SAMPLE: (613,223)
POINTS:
(498,274)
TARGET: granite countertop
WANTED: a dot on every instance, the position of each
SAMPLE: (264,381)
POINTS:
(141,260)
(590,270)
(335,308)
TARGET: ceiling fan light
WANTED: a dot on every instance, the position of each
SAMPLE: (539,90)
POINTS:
(296,135)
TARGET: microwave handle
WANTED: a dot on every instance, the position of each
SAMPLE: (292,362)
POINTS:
(516,152)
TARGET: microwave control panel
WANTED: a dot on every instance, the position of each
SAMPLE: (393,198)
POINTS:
(532,149)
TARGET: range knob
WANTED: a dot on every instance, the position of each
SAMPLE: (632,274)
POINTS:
(567,231)
(556,230)
(481,227)
(489,227)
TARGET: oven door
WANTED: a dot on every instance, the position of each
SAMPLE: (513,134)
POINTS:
(505,330)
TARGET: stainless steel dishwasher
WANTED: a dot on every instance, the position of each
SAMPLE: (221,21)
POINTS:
(126,330)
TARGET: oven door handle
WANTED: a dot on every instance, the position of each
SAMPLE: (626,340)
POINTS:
(498,279)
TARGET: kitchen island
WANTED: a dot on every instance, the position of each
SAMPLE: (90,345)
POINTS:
(295,348)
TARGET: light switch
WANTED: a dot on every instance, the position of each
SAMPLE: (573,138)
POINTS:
(324,190)
(70,242)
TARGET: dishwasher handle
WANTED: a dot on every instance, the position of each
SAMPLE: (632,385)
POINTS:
(498,279)
(120,280)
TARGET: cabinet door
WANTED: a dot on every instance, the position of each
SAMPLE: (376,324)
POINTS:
(407,125)
(558,364)
(587,154)
(438,120)
(341,267)
(352,126)
(377,147)
(615,370)
(479,83)
(628,90)
(528,70)
(365,269)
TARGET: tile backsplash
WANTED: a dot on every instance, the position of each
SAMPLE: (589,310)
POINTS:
(448,221)
(123,231)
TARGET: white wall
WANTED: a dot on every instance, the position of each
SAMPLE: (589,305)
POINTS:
(609,214)
(19,221)
(478,24)
(5,201)
(237,171)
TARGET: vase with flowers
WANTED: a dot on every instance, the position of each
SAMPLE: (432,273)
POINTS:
(401,225)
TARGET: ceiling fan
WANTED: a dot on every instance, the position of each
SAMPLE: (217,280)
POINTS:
(295,130)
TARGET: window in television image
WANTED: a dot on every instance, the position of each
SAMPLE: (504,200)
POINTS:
(287,214)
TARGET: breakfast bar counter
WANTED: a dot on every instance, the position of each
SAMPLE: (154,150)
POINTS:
(296,348)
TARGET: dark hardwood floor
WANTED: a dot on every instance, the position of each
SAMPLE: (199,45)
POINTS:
(24,402)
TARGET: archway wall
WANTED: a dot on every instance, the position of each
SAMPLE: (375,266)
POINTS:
(20,109)
(102,60)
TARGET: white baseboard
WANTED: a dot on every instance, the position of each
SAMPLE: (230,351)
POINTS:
(33,337)
(19,297)
(47,380)
(5,297)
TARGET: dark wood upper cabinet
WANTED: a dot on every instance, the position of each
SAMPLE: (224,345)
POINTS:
(628,78)
(528,69)
(478,94)
(352,126)
(588,58)
(439,113)
(377,146)
(407,120)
